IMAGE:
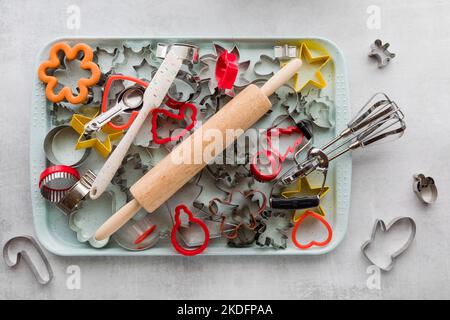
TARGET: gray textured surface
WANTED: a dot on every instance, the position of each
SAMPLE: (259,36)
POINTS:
(418,79)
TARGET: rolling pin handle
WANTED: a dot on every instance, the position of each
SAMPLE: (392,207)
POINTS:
(281,77)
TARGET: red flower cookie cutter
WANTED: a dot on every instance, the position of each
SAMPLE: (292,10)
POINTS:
(192,219)
(133,115)
(71,53)
(226,70)
(313,242)
(181,115)
(273,155)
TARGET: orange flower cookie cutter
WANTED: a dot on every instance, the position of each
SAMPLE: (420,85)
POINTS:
(71,53)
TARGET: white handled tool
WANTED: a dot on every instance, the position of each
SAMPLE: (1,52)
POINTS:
(168,176)
(153,97)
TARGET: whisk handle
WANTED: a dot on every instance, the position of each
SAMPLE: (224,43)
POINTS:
(295,203)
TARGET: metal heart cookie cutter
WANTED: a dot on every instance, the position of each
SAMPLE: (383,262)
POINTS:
(380,225)
(425,188)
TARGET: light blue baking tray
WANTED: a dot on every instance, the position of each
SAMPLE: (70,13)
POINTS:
(52,227)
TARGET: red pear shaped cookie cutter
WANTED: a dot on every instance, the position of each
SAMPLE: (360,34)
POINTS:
(313,242)
(177,225)
(180,116)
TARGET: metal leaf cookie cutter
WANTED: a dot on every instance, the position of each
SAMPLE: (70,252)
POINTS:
(273,229)
(24,254)
(425,188)
(380,225)
(380,51)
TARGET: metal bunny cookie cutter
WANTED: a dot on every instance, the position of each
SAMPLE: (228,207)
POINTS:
(378,120)
(425,188)
(24,254)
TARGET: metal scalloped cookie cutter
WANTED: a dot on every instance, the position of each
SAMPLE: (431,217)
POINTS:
(425,188)
(380,225)
(380,51)
(24,254)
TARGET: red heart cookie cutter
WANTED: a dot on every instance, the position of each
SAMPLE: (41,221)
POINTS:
(313,242)
(106,89)
(180,116)
(177,225)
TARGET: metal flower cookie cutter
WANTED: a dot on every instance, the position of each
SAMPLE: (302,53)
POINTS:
(425,188)
(380,225)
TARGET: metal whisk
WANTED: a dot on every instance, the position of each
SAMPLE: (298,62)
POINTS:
(379,119)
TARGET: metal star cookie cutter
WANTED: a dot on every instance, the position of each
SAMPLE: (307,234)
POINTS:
(273,231)
(380,51)
(425,188)
(24,254)
(380,225)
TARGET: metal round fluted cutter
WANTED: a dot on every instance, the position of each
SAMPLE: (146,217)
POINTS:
(71,200)
(425,188)
(59,147)
(54,182)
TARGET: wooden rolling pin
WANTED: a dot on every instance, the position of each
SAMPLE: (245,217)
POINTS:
(186,160)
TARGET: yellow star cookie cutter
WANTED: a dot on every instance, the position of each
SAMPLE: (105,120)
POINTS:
(304,188)
(305,76)
(104,148)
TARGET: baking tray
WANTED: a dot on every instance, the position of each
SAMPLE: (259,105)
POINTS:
(52,227)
